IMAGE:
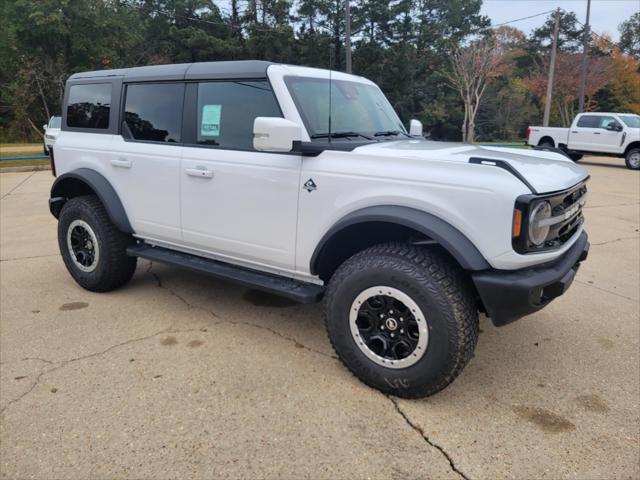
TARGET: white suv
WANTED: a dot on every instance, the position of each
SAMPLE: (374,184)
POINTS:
(304,183)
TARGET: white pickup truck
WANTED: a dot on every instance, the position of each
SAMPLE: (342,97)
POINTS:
(610,134)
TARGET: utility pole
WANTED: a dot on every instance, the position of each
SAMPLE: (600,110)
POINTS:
(585,51)
(347,33)
(552,67)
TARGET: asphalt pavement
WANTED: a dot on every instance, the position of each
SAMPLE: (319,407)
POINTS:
(178,375)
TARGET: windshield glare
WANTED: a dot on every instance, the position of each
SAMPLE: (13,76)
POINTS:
(355,107)
(632,121)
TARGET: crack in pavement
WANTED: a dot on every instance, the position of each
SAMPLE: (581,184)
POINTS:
(55,366)
(28,258)
(220,320)
(18,185)
(426,438)
(619,239)
(606,291)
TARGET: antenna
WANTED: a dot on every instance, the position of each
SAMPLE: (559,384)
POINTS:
(330,70)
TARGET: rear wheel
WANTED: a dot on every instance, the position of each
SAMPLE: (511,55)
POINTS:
(403,319)
(93,249)
(546,144)
(632,159)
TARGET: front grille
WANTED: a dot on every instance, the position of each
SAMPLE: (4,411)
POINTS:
(566,218)
(566,215)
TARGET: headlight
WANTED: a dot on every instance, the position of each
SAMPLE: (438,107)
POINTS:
(537,233)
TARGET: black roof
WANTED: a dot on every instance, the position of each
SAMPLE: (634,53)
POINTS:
(184,71)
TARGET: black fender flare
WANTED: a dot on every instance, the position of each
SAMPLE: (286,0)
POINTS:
(66,186)
(449,237)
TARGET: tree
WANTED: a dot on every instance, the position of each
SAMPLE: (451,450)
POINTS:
(566,82)
(630,35)
(472,67)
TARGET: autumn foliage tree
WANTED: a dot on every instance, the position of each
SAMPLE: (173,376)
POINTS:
(566,82)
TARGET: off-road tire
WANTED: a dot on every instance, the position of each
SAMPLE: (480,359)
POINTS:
(576,157)
(628,159)
(440,289)
(114,267)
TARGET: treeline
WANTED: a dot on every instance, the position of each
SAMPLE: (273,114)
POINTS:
(409,47)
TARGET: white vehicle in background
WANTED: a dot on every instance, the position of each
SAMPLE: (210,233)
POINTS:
(610,134)
(51,132)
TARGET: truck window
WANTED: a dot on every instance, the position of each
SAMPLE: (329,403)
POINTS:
(606,121)
(153,112)
(589,121)
(226,111)
(88,106)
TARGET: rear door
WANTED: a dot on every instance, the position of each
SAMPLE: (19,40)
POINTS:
(145,158)
(237,203)
(583,135)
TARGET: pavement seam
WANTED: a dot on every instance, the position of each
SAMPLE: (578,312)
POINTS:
(612,205)
(426,438)
(17,186)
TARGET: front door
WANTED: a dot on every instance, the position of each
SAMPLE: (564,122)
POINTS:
(237,204)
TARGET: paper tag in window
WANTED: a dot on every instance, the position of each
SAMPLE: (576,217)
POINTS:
(210,125)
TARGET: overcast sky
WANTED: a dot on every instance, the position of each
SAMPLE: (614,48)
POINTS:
(606,15)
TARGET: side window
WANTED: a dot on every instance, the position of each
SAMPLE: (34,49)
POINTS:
(227,109)
(589,121)
(88,106)
(153,112)
(606,121)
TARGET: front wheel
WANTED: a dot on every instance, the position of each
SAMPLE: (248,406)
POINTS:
(403,319)
(632,159)
(93,249)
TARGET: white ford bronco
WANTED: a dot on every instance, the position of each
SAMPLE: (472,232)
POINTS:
(304,183)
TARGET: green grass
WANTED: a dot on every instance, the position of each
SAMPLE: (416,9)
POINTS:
(23,163)
(20,149)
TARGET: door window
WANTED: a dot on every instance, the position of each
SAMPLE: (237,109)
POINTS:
(606,121)
(88,106)
(589,121)
(226,111)
(153,112)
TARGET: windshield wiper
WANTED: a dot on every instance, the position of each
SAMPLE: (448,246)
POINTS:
(340,135)
(388,133)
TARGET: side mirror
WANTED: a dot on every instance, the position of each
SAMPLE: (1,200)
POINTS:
(612,127)
(273,134)
(415,128)
(44,127)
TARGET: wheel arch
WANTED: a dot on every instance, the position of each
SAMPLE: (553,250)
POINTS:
(547,138)
(85,181)
(635,144)
(372,225)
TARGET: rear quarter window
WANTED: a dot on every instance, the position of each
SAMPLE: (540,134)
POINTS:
(89,105)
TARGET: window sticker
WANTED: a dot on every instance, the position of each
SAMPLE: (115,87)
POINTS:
(210,125)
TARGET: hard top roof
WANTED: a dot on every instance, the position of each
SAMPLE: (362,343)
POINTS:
(183,71)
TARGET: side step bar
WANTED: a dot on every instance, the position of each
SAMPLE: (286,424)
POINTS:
(296,290)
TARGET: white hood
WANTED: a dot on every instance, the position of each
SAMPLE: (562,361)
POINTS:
(544,171)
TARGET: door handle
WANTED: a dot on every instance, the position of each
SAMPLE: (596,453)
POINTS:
(121,162)
(574,131)
(199,172)
(596,133)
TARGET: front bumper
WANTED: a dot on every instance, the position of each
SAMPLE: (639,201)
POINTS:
(510,295)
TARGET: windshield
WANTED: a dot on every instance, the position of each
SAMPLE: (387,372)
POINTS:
(632,121)
(55,122)
(356,108)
